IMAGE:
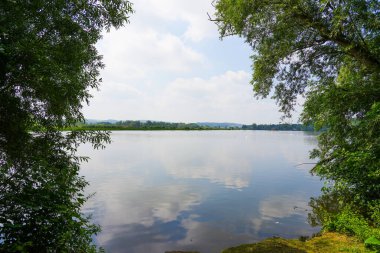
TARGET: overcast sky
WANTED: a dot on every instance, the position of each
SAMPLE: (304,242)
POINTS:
(169,64)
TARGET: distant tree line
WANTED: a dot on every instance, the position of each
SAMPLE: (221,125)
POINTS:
(142,125)
(279,127)
(160,125)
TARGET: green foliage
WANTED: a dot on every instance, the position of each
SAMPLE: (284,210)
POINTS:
(48,64)
(336,213)
(373,243)
(300,43)
(325,208)
(351,223)
(41,197)
(328,52)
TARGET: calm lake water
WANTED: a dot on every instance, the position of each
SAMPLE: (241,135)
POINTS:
(160,191)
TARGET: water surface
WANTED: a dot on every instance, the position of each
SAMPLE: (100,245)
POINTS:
(160,191)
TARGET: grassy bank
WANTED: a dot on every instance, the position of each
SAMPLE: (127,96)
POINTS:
(328,242)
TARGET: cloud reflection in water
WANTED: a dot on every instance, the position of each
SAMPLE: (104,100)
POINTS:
(160,191)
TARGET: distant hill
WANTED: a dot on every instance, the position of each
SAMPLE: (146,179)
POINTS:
(220,125)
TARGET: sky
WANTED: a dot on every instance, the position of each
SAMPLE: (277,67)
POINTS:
(169,64)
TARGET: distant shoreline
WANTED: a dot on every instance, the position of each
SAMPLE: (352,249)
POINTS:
(175,129)
(163,126)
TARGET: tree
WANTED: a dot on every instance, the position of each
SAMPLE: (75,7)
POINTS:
(329,52)
(48,64)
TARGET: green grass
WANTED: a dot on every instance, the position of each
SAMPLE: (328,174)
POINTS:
(326,243)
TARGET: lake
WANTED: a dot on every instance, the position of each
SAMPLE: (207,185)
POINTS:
(160,191)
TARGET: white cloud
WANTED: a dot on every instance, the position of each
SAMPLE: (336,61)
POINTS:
(226,97)
(275,208)
(193,13)
(126,201)
(132,53)
(136,59)
(219,90)
(194,158)
(159,67)
(283,206)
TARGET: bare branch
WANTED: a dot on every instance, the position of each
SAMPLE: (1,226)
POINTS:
(213,20)
(304,164)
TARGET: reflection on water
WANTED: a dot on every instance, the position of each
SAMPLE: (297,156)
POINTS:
(199,190)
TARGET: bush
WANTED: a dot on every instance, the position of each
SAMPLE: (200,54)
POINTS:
(351,223)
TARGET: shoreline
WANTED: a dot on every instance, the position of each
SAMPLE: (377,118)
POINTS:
(325,242)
